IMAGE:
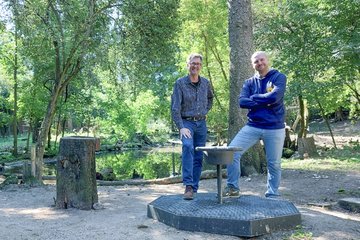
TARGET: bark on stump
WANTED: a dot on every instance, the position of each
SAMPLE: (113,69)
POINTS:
(76,173)
(307,148)
(36,165)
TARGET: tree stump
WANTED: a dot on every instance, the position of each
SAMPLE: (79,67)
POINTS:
(36,165)
(307,148)
(26,171)
(76,173)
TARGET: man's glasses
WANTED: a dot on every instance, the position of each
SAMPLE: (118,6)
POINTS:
(195,64)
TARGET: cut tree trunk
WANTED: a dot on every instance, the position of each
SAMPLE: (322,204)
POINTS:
(307,148)
(36,165)
(76,173)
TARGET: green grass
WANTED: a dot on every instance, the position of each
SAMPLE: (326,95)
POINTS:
(345,159)
(6,148)
(7,143)
(300,234)
(322,164)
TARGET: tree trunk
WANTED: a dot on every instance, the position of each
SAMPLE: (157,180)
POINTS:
(35,130)
(45,128)
(66,68)
(307,148)
(303,118)
(36,165)
(241,48)
(15,125)
(326,121)
(76,173)
(57,130)
(49,139)
(28,138)
(355,92)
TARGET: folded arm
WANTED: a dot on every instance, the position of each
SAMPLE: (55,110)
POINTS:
(275,95)
(253,101)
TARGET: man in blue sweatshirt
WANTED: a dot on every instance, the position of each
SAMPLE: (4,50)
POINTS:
(263,96)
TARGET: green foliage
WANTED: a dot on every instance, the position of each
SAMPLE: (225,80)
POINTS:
(204,30)
(300,234)
(148,46)
(126,117)
(143,110)
(313,49)
(348,153)
(6,145)
(341,191)
(6,101)
(118,120)
(12,179)
(287,153)
(137,49)
(6,157)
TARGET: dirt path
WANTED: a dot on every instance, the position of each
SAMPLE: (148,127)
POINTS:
(28,213)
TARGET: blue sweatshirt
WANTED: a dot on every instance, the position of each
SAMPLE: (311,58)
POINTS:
(264,97)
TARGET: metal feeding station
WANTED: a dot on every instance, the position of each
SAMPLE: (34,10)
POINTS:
(219,155)
(246,216)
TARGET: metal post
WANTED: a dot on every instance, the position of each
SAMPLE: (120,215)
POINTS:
(219,180)
(173,159)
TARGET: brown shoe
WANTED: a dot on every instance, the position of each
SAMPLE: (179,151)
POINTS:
(189,193)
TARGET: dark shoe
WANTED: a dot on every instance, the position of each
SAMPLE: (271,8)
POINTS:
(189,193)
(231,192)
(276,197)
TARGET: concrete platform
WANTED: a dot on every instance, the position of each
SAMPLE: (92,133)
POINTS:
(351,204)
(247,216)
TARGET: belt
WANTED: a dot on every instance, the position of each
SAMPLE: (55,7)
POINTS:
(198,118)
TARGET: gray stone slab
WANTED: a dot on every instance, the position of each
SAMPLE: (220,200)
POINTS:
(246,216)
(352,204)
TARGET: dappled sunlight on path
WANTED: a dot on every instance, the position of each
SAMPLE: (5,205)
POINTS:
(44,213)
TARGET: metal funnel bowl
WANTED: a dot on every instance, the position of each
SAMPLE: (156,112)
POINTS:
(219,155)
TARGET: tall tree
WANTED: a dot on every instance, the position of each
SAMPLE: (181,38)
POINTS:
(15,74)
(70,32)
(11,62)
(241,48)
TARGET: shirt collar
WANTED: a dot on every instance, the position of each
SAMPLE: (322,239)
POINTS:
(189,80)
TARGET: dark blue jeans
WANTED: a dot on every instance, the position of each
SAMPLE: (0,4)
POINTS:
(191,159)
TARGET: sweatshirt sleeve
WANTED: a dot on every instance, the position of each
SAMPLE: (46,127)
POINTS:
(244,98)
(275,95)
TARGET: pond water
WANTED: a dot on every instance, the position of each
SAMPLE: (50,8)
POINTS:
(149,164)
(157,163)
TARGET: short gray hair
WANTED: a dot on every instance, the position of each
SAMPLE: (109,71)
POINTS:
(194,55)
(257,53)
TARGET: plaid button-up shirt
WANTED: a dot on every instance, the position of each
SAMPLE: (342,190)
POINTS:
(190,100)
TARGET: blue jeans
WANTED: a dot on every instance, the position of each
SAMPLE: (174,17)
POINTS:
(273,141)
(191,159)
